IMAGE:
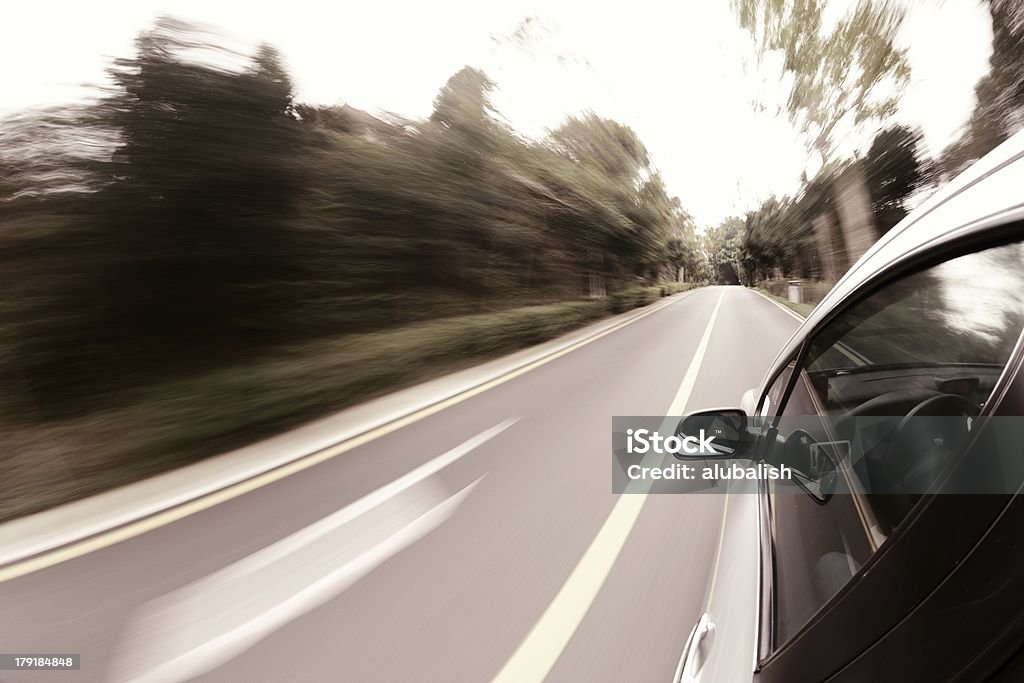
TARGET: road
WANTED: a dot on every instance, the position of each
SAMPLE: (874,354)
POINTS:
(481,541)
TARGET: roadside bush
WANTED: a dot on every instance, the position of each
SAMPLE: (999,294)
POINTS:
(670,288)
(156,427)
(632,298)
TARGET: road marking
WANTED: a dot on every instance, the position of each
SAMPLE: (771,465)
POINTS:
(188,611)
(200,626)
(320,528)
(784,308)
(857,358)
(678,405)
(128,531)
(538,652)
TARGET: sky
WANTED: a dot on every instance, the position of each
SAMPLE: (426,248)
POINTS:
(681,73)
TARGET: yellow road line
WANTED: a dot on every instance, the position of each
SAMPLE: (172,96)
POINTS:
(537,654)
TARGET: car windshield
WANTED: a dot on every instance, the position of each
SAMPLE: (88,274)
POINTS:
(955,314)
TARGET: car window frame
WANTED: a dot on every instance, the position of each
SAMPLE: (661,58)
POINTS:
(791,658)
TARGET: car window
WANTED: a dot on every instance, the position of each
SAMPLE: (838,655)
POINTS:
(962,316)
(946,332)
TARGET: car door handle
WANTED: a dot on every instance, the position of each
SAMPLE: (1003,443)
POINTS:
(695,653)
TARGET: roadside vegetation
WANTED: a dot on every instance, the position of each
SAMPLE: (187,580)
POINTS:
(818,232)
(166,424)
(801,309)
(196,259)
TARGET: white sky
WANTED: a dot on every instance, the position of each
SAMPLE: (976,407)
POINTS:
(678,71)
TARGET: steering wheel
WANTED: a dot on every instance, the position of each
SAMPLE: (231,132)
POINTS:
(917,451)
(921,447)
(899,402)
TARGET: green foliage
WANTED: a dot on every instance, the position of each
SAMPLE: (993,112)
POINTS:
(779,239)
(158,426)
(197,260)
(894,168)
(196,214)
(633,298)
(847,74)
(724,246)
(999,110)
(673,288)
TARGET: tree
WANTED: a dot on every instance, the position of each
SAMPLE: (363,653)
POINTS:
(204,178)
(843,77)
(682,247)
(767,240)
(621,213)
(724,246)
(1007,64)
(894,169)
(197,213)
(464,99)
(999,108)
(610,147)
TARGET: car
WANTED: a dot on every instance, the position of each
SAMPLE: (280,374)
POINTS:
(913,579)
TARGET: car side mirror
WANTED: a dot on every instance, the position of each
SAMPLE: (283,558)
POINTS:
(720,433)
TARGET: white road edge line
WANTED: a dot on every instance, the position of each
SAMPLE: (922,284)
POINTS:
(229,645)
(857,358)
(322,527)
(543,645)
(784,308)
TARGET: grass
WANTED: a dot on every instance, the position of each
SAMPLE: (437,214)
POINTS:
(160,427)
(803,310)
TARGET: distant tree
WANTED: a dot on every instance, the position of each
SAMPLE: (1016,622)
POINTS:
(767,240)
(724,246)
(682,247)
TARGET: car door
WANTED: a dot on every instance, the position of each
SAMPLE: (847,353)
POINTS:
(843,570)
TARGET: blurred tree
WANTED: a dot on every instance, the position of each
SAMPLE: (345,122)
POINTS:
(181,238)
(999,107)
(197,213)
(724,246)
(1006,95)
(204,180)
(608,146)
(682,247)
(894,169)
(627,214)
(843,76)
(766,243)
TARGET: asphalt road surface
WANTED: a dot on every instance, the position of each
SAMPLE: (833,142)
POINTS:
(481,542)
